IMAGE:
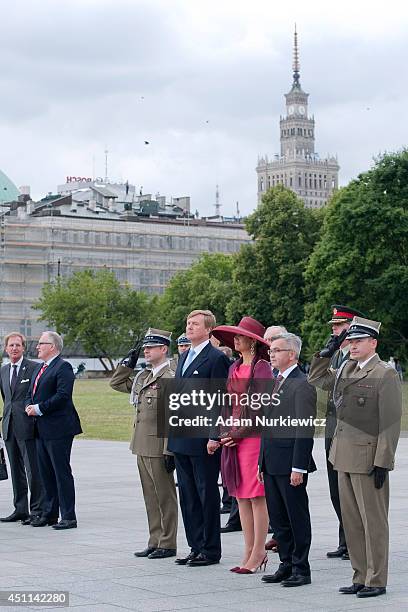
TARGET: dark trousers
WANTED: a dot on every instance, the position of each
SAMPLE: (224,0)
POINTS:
(56,475)
(288,509)
(335,497)
(234,519)
(25,474)
(226,499)
(197,478)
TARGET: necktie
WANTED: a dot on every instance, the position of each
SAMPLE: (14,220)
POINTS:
(13,381)
(40,373)
(277,384)
(190,357)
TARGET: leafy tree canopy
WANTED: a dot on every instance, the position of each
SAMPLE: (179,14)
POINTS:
(268,274)
(94,309)
(206,285)
(362,255)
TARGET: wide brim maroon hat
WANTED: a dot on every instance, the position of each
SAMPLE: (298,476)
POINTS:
(249,327)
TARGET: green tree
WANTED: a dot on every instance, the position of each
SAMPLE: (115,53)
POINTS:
(362,256)
(92,308)
(268,273)
(206,285)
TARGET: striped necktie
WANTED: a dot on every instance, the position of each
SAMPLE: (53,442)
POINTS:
(40,373)
(278,381)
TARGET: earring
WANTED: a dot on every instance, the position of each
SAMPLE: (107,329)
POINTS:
(253,345)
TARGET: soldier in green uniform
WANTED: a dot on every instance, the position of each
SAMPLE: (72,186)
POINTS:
(338,352)
(155,463)
(368,400)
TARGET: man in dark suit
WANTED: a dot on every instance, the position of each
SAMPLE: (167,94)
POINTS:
(18,432)
(50,403)
(285,460)
(197,468)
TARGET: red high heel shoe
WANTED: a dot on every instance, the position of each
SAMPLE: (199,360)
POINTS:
(261,567)
(235,569)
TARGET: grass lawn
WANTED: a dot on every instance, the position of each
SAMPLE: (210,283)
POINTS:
(107,415)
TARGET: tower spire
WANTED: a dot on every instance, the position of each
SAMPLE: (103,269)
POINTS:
(296,63)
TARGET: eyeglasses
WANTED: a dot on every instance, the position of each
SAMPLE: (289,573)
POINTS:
(40,343)
(278,350)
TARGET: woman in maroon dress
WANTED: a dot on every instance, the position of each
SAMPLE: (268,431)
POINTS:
(241,444)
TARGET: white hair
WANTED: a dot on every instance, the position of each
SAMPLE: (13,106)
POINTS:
(274,331)
(56,340)
(293,342)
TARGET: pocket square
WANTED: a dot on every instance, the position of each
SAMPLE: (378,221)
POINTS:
(25,380)
(195,372)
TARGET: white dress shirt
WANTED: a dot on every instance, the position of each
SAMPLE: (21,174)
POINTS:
(285,374)
(197,349)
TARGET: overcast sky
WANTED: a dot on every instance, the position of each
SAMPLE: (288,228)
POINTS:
(202,82)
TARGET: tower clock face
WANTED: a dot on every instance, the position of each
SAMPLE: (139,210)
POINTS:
(302,110)
(291,110)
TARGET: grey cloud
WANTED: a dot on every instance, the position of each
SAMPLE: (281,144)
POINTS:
(72,77)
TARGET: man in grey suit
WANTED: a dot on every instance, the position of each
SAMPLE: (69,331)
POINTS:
(18,432)
(154,462)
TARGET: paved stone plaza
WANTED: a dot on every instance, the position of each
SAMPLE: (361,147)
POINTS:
(95,562)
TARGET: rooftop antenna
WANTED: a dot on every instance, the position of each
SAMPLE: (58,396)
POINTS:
(296,62)
(217,201)
(106,165)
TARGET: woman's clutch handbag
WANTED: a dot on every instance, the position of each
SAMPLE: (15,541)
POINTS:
(3,466)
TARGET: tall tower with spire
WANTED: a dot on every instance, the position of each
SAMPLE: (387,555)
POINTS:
(298,166)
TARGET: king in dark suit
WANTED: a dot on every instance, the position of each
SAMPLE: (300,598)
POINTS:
(285,460)
(197,468)
(18,431)
(50,403)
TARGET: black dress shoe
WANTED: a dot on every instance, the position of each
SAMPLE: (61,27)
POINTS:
(296,580)
(162,553)
(371,591)
(28,520)
(201,561)
(281,574)
(351,590)
(14,517)
(337,554)
(146,552)
(230,528)
(43,521)
(66,524)
(185,560)
(345,556)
